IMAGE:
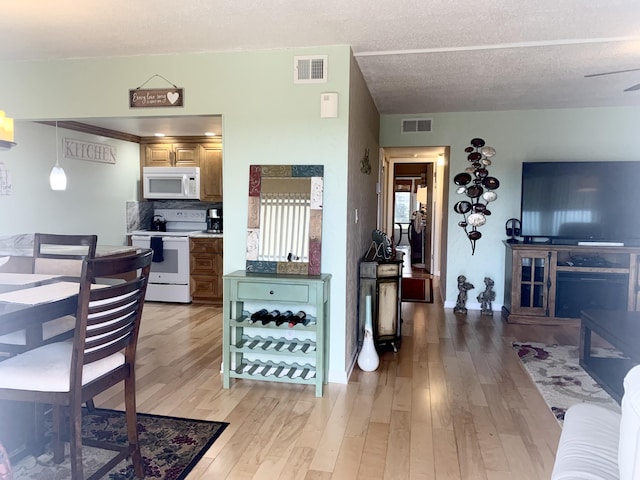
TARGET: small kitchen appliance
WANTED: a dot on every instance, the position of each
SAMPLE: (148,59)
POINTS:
(174,183)
(214,220)
(158,224)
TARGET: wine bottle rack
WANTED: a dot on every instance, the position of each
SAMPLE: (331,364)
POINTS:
(275,345)
(271,352)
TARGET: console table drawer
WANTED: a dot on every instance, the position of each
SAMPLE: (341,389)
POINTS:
(269,291)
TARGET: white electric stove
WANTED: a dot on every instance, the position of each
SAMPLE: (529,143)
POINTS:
(169,277)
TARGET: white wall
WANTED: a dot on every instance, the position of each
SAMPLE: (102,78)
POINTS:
(518,136)
(94,202)
(266,120)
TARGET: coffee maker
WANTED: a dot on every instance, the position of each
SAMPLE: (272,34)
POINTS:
(214,220)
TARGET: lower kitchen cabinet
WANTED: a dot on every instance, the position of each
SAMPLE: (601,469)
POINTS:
(270,352)
(205,269)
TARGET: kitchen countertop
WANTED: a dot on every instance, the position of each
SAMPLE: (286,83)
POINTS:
(22,246)
(205,235)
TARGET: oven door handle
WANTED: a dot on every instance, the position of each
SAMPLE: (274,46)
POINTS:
(176,239)
(164,238)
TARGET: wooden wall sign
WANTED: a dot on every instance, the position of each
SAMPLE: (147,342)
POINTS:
(156,97)
(81,150)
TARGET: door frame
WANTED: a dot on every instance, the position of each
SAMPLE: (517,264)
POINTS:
(438,211)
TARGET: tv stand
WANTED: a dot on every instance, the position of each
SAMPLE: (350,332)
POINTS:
(550,284)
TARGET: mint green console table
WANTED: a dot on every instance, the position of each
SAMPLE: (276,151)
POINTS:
(273,353)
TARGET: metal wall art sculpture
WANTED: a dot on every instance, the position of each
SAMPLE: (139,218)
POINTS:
(479,187)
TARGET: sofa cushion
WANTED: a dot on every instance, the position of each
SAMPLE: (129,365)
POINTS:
(588,448)
(629,450)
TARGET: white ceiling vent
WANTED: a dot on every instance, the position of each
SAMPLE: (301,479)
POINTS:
(310,69)
(416,125)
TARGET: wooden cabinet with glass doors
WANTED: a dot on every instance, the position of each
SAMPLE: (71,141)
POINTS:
(550,284)
(529,285)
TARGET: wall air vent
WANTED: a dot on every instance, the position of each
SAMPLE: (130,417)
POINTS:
(416,125)
(310,69)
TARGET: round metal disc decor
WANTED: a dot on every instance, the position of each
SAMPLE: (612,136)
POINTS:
(478,185)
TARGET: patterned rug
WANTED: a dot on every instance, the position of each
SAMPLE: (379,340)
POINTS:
(170,447)
(561,381)
(417,289)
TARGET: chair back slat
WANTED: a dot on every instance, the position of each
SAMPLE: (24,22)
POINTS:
(108,316)
(109,332)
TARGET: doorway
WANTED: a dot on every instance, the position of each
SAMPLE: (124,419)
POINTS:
(413,209)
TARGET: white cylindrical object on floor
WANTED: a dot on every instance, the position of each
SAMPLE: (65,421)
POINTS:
(368,359)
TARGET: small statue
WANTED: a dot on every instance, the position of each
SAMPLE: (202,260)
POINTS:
(485,298)
(463,288)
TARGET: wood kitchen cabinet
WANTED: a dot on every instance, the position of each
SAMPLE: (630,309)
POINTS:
(171,155)
(211,172)
(205,269)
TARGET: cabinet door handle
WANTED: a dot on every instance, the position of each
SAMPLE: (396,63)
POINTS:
(271,292)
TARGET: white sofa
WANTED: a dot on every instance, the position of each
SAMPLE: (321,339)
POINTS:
(599,444)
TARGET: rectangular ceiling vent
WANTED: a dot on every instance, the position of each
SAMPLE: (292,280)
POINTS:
(310,69)
(416,125)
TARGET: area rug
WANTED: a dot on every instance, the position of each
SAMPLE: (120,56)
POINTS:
(556,372)
(170,447)
(417,290)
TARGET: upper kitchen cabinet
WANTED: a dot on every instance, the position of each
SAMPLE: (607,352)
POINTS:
(171,154)
(211,172)
(203,152)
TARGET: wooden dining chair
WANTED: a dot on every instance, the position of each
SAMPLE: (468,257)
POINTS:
(51,256)
(102,354)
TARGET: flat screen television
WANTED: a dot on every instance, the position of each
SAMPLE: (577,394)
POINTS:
(570,202)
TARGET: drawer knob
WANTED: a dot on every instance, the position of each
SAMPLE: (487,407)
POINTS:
(270,292)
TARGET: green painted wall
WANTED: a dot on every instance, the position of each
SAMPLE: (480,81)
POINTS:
(518,136)
(266,119)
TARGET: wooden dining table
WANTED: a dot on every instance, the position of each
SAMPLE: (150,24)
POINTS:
(27,301)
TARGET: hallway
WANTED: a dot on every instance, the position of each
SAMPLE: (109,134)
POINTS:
(417,283)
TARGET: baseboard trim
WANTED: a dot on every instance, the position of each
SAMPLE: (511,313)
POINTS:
(497,307)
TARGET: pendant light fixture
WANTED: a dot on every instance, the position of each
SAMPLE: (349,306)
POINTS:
(6,132)
(57,178)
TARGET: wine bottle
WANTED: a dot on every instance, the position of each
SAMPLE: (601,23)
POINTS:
(297,318)
(284,317)
(259,315)
(271,316)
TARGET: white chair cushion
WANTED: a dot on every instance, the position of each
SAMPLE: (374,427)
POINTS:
(47,368)
(629,452)
(588,448)
(49,330)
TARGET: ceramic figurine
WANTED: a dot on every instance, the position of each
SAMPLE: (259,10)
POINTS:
(485,298)
(463,288)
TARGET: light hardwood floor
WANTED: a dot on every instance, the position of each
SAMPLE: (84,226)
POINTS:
(453,403)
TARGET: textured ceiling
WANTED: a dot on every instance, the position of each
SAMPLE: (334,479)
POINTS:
(417,56)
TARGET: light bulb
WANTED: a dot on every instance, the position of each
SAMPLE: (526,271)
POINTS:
(57,178)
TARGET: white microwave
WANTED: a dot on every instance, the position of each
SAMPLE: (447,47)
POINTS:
(171,182)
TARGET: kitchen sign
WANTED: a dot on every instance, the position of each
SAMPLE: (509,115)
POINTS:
(156,97)
(94,152)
